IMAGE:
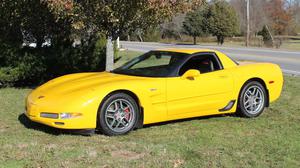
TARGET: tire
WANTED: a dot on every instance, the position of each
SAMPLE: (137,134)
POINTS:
(118,114)
(252,100)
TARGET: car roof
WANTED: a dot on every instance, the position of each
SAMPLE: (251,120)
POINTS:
(186,50)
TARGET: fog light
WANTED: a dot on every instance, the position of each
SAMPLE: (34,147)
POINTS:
(49,115)
(69,115)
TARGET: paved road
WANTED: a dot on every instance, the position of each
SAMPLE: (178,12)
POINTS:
(289,61)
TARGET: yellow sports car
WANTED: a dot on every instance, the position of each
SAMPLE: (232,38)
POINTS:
(160,85)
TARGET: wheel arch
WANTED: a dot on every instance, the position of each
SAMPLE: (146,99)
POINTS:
(262,82)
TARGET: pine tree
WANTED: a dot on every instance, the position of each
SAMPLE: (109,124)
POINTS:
(222,19)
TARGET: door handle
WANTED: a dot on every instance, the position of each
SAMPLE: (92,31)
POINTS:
(223,76)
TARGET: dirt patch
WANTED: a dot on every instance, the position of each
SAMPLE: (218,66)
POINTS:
(92,153)
(178,163)
(51,146)
(22,146)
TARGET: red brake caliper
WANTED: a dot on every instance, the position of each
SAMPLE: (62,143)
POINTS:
(127,113)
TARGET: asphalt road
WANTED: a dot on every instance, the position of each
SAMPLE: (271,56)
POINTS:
(289,61)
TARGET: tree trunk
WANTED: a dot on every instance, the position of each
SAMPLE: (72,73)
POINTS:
(218,40)
(39,42)
(140,37)
(195,40)
(128,37)
(109,55)
(222,40)
(180,36)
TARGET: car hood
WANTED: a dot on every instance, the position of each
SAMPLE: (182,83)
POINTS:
(78,83)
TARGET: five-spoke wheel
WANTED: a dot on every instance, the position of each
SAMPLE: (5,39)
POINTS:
(252,99)
(118,114)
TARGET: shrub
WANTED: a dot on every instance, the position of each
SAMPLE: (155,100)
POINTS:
(266,37)
(8,76)
(32,66)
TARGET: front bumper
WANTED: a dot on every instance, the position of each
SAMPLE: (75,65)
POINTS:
(86,121)
(74,123)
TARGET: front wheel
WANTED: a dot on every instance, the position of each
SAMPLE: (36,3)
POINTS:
(118,114)
(252,100)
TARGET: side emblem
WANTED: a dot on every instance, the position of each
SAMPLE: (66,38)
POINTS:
(153,89)
(40,97)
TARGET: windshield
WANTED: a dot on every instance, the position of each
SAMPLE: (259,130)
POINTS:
(151,64)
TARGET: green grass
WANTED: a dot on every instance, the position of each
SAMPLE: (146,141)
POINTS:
(291,45)
(271,140)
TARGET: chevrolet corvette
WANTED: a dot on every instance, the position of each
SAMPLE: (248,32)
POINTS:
(160,85)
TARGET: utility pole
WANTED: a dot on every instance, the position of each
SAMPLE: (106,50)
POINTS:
(109,54)
(109,65)
(248,23)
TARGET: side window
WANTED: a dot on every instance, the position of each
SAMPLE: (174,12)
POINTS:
(204,63)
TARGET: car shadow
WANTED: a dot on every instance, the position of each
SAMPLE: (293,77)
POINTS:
(55,131)
(27,123)
(187,119)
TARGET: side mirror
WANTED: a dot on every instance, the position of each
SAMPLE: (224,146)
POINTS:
(191,74)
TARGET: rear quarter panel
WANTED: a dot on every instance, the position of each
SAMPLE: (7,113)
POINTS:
(270,73)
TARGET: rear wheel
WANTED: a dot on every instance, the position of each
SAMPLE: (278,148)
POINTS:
(118,114)
(252,99)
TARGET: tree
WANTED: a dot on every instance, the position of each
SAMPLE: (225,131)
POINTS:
(11,21)
(75,31)
(267,38)
(258,14)
(280,18)
(222,20)
(195,23)
(173,28)
(31,21)
(116,17)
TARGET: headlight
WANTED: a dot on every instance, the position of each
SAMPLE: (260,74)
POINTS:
(49,115)
(69,115)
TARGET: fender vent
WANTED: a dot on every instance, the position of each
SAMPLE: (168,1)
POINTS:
(228,106)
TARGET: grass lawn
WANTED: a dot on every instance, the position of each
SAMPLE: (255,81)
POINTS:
(291,44)
(271,140)
(286,44)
